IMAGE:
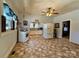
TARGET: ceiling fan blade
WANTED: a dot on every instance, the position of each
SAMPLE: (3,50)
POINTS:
(55,13)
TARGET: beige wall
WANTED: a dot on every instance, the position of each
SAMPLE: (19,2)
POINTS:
(0,14)
(42,19)
(74,21)
(7,42)
(8,39)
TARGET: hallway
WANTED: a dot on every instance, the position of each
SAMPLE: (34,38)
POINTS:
(38,47)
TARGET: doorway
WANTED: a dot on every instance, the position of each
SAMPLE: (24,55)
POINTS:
(66,29)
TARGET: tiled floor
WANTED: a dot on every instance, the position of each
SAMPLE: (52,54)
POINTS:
(38,47)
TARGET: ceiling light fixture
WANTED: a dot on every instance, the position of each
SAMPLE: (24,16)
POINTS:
(49,12)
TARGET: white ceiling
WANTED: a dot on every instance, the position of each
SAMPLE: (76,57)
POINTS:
(62,6)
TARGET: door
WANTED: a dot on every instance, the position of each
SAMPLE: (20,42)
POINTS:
(66,29)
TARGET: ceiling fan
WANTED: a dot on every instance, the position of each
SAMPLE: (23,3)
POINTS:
(49,12)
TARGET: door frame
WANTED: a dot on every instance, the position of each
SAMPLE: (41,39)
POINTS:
(69,28)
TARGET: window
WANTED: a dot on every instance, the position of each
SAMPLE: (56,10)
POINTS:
(9,21)
(34,25)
